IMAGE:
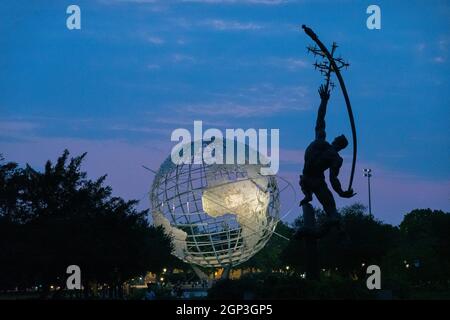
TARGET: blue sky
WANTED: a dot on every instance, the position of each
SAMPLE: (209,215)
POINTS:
(139,69)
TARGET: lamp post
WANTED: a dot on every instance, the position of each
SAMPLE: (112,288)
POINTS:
(368,174)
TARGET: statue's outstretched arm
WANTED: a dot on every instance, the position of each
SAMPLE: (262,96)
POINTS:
(320,123)
(336,184)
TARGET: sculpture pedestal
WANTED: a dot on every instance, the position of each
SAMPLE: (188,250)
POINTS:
(226,273)
(312,266)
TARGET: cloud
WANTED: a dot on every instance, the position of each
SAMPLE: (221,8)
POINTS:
(182,58)
(224,25)
(156,6)
(292,97)
(100,129)
(153,66)
(433,51)
(255,2)
(206,2)
(236,110)
(439,59)
(443,44)
(128,1)
(218,25)
(155,40)
(141,129)
(291,64)
(184,120)
(256,101)
(420,47)
(17,126)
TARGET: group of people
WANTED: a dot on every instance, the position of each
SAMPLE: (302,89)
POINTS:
(174,291)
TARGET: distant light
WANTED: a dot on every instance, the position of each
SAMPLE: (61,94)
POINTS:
(161,279)
(51,287)
(165,270)
(407,265)
(363,264)
(287,267)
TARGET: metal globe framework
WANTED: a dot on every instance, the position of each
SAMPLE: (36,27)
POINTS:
(218,215)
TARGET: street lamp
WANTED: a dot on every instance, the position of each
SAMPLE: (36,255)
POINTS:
(368,174)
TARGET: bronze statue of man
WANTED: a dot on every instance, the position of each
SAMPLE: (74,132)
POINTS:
(320,156)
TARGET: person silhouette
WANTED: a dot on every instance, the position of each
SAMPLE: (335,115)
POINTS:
(319,157)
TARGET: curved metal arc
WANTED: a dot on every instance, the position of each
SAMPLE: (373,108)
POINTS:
(314,37)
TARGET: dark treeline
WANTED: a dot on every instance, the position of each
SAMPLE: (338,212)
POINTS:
(56,218)
(414,258)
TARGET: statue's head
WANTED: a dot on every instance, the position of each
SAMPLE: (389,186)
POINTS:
(340,142)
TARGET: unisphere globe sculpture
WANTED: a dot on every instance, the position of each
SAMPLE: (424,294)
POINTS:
(218,215)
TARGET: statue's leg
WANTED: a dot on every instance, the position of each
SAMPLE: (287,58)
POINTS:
(326,198)
(308,229)
(306,191)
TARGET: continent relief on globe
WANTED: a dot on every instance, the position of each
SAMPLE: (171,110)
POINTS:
(247,199)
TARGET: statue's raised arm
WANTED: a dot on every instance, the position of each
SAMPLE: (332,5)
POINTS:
(320,122)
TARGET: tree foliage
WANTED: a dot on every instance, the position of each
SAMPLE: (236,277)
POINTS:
(268,258)
(56,218)
(414,257)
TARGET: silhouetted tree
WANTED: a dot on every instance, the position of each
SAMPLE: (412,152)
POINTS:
(425,247)
(362,241)
(268,258)
(55,218)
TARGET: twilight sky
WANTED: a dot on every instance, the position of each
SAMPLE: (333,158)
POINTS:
(138,69)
